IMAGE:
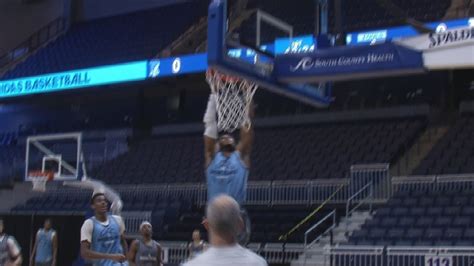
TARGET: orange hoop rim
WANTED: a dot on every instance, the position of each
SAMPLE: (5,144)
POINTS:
(211,72)
(34,175)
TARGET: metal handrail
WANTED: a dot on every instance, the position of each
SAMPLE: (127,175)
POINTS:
(331,214)
(295,228)
(370,196)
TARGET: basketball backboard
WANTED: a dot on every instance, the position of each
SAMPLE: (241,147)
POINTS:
(57,153)
(232,51)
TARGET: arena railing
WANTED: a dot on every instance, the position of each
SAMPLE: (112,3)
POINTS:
(365,195)
(258,193)
(133,220)
(284,237)
(330,217)
(377,174)
(355,256)
(275,253)
(308,193)
(176,252)
(433,182)
(34,42)
(278,253)
(430,256)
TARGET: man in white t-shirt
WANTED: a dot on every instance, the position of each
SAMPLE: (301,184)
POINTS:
(224,223)
(9,249)
(102,236)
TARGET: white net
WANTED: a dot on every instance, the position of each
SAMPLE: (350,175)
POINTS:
(39,183)
(234,97)
(39,180)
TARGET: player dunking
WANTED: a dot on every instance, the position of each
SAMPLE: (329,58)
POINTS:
(102,236)
(227,163)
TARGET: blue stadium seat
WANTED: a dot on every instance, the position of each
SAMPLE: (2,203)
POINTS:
(123,38)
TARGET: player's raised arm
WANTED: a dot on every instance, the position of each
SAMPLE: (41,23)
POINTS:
(210,131)
(100,187)
(246,138)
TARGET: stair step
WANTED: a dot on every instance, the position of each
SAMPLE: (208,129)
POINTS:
(347,225)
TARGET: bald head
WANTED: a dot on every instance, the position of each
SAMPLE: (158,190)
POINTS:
(223,216)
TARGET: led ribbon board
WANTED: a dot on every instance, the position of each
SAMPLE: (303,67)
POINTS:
(388,34)
(140,70)
(177,65)
(89,77)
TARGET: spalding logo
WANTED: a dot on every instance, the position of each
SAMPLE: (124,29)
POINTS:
(447,37)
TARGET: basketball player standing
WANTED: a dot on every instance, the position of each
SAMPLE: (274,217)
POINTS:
(145,251)
(9,249)
(102,236)
(45,249)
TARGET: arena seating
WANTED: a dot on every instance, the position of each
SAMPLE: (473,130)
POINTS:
(421,218)
(8,138)
(299,152)
(137,36)
(268,223)
(366,14)
(301,17)
(454,153)
(12,160)
(358,14)
(97,148)
(174,218)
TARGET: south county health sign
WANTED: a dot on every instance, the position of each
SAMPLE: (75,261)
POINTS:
(346,63)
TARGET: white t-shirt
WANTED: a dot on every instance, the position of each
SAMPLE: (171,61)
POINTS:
(229,256)
(12,245)
(88,227)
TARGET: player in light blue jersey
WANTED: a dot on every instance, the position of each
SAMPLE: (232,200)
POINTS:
(227,163)
(45,249)
(102,236)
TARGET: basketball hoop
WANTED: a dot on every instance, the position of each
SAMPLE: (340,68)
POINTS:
(234,96)
(39,179)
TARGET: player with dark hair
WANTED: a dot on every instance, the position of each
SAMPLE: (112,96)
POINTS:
(102,236)
(197,246)
(10,252)
(145,251)
(45,249)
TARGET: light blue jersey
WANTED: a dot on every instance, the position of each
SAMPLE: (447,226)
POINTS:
(44,250)
(106,239)
(227,175)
